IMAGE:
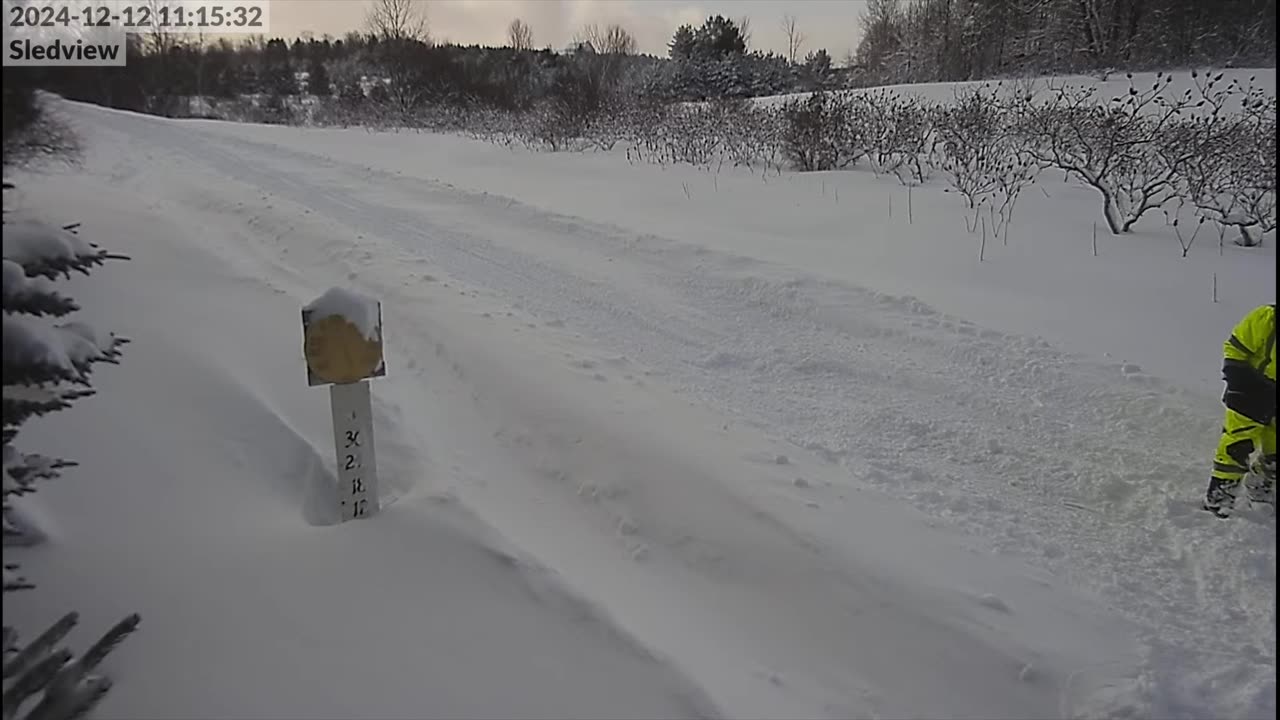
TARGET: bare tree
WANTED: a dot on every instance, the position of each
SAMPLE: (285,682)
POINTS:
(401,25)
(881,36)
(398,20)
(611,40)
(795,38)
(160,38)
(197,47)
(744,29)
(520,35)
(604,58)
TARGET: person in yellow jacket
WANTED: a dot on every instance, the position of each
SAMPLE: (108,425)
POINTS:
(1249,368)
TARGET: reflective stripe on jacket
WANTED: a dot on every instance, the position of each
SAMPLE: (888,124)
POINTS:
(1253,342)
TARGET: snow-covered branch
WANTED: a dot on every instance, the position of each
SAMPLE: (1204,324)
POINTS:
(46,366)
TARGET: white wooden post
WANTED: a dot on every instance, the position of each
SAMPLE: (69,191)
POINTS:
(353,439)
(342,344)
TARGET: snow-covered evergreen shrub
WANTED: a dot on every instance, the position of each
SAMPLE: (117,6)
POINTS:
(732,76)
(46,365)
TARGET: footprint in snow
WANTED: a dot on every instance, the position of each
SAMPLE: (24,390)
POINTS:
(991,601)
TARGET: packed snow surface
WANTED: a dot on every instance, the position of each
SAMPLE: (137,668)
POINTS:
(655,442)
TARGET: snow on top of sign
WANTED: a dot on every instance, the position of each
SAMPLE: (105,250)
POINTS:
(28,240)
(29,340)
(357,309)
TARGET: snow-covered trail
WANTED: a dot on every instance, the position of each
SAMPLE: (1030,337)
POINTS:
(206,513)
(734,425)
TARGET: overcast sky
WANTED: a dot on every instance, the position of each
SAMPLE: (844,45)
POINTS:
(830,24)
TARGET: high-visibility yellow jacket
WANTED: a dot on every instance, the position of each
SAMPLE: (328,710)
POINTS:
(1249,365)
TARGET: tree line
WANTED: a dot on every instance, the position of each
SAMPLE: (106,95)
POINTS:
(394,65)
(907,41)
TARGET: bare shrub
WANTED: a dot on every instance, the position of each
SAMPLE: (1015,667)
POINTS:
(970,137)
(1120,148)
(899,135)
(819,132)
(1229,176)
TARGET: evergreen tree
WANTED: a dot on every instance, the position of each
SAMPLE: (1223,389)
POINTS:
(277,70)
(817,65)
(682,43)
(247,79)
(46,366)
(350,94)
(719,38)
(318,80)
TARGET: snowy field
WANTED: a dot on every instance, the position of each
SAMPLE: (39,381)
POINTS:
(653,442)
(1113,85)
